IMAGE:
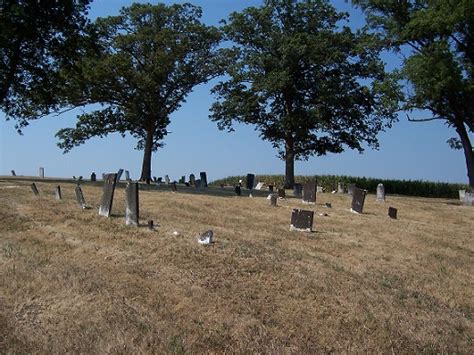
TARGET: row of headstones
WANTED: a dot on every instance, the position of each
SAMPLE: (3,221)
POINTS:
(202,182)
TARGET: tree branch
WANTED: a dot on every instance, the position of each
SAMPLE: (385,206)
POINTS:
(424,119)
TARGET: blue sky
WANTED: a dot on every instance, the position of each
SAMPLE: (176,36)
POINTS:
(407,151)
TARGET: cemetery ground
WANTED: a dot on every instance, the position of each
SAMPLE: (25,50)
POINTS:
(73,281)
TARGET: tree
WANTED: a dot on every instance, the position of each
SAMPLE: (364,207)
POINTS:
(149,59)
(36,37)
(436,40)
(308,84)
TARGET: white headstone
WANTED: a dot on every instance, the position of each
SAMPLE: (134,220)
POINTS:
(41,173)
(462,193)
(259,186)
(380,192)
(469,199)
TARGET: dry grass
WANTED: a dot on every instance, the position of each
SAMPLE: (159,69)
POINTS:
(71,281)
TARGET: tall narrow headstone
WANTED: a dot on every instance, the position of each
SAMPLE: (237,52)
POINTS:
(131,204)
(127,175)
(57,193)
(273,200)
(392,212)
(250,181)
(110,182)
(297,190)
(301,220)
(13,173)
(380,192)
(203,178)
(462,193)
(167,179)
(192,180)
(93,177)
(309,192)
(350,189)
(469,199)
(340,188)
(34,189)
(238,190)
(80,197)
(358,199)
(173,186)
(41,173)
(281,193)
(119,175)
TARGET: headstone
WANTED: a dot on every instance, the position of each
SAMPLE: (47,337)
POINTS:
(392,212)
(462,193)
(380,192)
(319,189)
(110,182)
(35,189)
(155,179)
(469,199)
(301,220)
(182,180)
(250,181)
(119,174)
(358,199)
(273,200)
(167,179)
(270,188)
(238,190)
(41,173)
(350,189)
(13,173)
(57,193)
(131,204)
(93,177)
(159,180)
(340,188)
(206,238)
(309,192)
(197,183)
(259,186)
(297,190)
(150,225)
(127,175)
(281,193)
(203,178)
(173,186)
(80,197)
(192,179)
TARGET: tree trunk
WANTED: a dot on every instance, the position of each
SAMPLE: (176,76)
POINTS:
(289,164)
(468,153)
(146,166)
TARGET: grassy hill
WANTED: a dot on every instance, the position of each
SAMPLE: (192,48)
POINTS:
(72,281)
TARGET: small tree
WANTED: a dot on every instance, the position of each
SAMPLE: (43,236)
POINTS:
(439,68)
(308,84)
(149,59)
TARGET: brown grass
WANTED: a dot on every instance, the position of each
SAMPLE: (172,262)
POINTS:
(72,281)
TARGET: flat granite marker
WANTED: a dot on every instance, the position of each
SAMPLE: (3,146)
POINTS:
(358,199)
(110,181)
(34,189)
(13,173)
(392,212)
(250,181)
(297,190)
(309,192)
(301,220)
(41,173)
(80,197)
(131,204)
(57,193)
(203,178)
(281,193)
(380,193)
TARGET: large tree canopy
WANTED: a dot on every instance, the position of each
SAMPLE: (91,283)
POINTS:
(307,82)
(436,40)
(149,59)
(36,38)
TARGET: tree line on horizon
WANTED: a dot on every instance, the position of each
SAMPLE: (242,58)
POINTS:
(293,69)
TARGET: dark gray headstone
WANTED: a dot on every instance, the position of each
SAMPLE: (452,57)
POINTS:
(80,197)
(297,190)
(150,225)
(110,182)
(281,193)
(197,183)
(392,212)
(273,200)
(469,199)
(358,198)
(270,188)
(182,180)
(340,188)
(380,192)
(192,179)
(250,181)
(127,175)
(57,193)
(309,192)
(41,173)
(93,177)
(131,204)
(119,174)
(302,220)
(159,180)
(34,189)
(13,173)
(173,186)
(238,190)
(203,178)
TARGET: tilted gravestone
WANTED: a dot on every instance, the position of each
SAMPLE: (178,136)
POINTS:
(350,189)
(127,175)
(238,190)
(297,190)
(131,204)
(340,188)
(93,177)
(380,193)
(13,173)
(273,200)
(34,189)
(469,199)
(80,197)
(309,192)
(167,179)
(110,182)
(392,212)
(281,193)
(119,175)
(250,181)
(259,186)
(57,193)
(301,220)
(203,178)
(358,199)
(192,179)
(41,173)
